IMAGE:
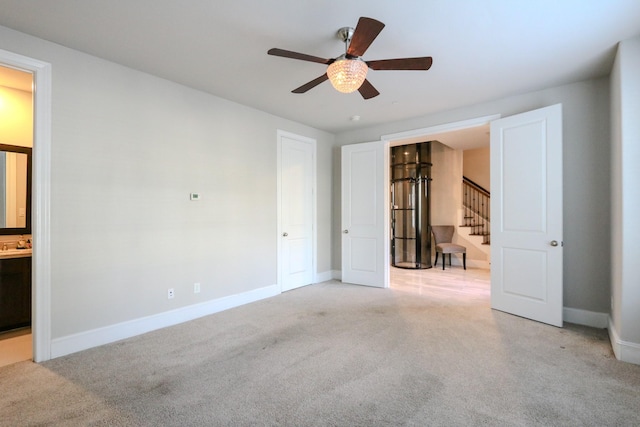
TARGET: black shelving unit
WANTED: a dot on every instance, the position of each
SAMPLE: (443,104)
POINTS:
(410,206)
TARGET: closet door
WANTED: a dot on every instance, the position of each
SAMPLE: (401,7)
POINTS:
(296,194)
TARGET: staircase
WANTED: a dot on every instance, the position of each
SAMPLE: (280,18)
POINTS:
(476,210)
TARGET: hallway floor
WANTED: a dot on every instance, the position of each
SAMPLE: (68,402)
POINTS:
(15,346)
(454,283)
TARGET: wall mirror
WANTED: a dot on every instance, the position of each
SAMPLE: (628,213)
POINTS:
(15,190)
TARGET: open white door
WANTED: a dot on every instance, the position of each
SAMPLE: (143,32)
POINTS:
(363,215)
(526,210)
(296,205)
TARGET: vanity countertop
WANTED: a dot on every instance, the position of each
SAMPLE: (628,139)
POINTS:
(16,253)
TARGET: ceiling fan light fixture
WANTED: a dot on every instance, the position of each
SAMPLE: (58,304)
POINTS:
(347,75)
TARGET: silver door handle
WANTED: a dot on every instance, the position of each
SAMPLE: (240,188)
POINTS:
(285,234)
(346,231)
(554,243)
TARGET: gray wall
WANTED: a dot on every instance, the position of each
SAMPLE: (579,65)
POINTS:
(586,181)
(127,149)
(625,194)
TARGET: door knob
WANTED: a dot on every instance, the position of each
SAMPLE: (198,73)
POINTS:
(346,231)
(554,243)
(285,234)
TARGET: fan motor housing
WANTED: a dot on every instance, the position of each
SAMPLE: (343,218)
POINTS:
(345,34)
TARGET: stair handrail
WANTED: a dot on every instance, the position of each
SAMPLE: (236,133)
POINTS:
(477,186)
(476,202)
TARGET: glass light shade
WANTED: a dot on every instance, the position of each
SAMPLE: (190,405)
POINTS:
(347,75)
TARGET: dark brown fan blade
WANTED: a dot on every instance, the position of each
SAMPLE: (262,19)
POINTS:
(367,90)
(313,83)
(365,33)
(296,55)
(401,64)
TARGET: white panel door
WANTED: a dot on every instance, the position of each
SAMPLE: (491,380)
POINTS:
(363,215)
(296,194)
(526,209)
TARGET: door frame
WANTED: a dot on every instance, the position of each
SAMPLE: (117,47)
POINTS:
(421,135)
(314,218)
(41,200)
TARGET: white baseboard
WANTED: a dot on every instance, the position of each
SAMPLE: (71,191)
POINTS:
(324,276)
(108,334)
(585,317)
(336,274)
(624,350)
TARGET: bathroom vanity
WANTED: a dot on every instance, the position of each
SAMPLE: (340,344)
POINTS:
(15,229)
(15,289)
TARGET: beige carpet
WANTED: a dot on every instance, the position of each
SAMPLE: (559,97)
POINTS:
(336,355)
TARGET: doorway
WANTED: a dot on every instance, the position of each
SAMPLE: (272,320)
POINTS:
(451,142)
(526,167)
(16,136)
(469,160)
(40,200)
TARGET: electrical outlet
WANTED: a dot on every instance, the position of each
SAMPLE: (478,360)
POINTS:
(170,293)
(196,288)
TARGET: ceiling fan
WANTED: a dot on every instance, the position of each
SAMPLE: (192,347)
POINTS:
(347,73)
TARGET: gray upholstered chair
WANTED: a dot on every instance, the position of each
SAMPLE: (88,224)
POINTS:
(443,234)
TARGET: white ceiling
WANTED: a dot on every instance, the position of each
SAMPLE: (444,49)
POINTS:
(482,49)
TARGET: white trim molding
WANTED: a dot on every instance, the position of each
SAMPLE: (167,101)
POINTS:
(324,276)
(585,317)
(400,137)
(624,350)
(41,199)
(108,334)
